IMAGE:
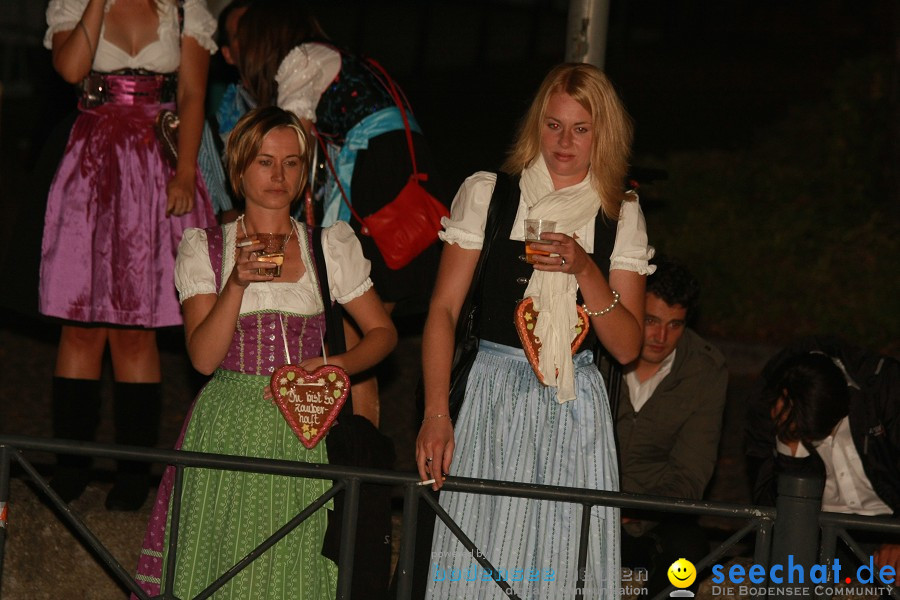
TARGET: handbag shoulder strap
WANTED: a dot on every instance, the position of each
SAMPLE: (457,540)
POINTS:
(400,100)
(334,314)
(502,189)
(315,132)
(180,19)
(469,323)
(215,241)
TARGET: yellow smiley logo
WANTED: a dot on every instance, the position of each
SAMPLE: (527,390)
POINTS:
(682,573)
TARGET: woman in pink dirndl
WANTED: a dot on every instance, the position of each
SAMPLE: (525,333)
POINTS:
(116,212)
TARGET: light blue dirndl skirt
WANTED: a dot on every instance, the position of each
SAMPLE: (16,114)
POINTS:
(512,428)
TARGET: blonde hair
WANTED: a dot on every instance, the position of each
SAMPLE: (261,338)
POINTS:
(612,130)
(246,139)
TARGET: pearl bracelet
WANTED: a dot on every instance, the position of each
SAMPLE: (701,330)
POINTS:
(438,416)
(600,313)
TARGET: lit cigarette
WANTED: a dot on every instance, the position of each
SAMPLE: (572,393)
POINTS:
(426,482)
(246,243)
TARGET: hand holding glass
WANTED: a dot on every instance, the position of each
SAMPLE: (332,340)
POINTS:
(273,252)
(533,230)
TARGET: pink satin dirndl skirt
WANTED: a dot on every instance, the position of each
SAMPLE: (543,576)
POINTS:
(108,252)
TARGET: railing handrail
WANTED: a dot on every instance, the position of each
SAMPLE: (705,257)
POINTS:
(867,522)
(757,515)
(453,484)
(326,471)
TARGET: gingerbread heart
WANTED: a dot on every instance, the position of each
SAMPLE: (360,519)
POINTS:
(526,319)
(310,402)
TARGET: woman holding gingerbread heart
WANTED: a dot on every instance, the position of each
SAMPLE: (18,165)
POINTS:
(535,409)
(243,324)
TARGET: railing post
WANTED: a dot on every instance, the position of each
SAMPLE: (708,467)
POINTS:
(168,584)
(795,540)
(763,545)
(407,542)
(583,539)
(827,550)
(348,538)
(4,502)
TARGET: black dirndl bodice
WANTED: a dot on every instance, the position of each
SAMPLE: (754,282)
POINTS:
(354,94)
(506,275)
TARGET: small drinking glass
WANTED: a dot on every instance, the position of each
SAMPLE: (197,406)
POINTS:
(533,230)
(272,253)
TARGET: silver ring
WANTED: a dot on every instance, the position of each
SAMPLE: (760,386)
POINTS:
(427,460)
(563,259)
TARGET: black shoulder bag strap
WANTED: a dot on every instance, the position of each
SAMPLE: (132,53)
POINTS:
(355,441)
(465,346)
(334,314)
(180,18)
(467,326)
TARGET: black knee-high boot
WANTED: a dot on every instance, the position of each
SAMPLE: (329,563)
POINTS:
(76,412)
(136,410)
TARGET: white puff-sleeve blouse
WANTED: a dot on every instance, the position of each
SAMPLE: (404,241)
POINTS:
(468,215)
(163,55)
(348,271)
(304,75)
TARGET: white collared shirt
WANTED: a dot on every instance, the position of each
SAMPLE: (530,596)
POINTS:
(640,392)
(847,488)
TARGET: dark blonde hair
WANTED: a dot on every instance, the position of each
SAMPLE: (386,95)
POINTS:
(222,38)
(814,397)
(612,130)
(267,33)
(246,139)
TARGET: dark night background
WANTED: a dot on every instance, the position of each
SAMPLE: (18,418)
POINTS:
(776,121)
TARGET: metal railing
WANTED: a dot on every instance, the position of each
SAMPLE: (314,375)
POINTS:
(792,527)
(798,534)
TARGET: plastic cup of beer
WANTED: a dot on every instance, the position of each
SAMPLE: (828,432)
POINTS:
(533,230)
(272,253)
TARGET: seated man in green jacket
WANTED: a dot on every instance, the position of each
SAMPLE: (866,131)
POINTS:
(668,425)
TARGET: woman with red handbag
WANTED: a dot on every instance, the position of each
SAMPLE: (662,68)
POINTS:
(115,214)
(370,143)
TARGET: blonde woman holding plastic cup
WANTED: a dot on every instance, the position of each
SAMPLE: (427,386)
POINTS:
(549,424)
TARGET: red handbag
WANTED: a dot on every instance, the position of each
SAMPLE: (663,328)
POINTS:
(403,228)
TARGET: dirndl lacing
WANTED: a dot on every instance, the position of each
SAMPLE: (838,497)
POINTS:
(128,87)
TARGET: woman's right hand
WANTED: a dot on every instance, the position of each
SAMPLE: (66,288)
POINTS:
(180,195)
(434,450)
(247,265)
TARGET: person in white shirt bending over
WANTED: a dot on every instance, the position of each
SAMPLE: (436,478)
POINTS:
(832,410)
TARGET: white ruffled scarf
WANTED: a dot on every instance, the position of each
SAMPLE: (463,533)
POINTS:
(554,294)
